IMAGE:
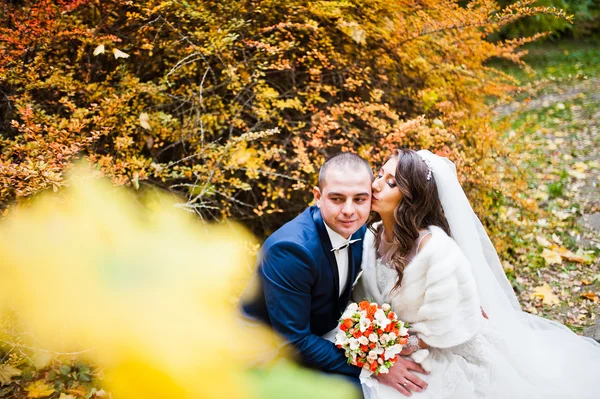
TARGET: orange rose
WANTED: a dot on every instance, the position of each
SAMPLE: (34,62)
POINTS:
(403,341)
(371,310)
(348,323)
(388,328)
(391,315)
(364,348)
(374,366)
(343,327)
(372,345)
(360,363)
(379,331)
(357,334)
(363,305)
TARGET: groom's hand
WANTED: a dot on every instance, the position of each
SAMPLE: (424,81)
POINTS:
(402,379)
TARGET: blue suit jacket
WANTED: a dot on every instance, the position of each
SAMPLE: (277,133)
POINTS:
(299,286)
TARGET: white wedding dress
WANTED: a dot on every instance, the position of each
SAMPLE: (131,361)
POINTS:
(511,355)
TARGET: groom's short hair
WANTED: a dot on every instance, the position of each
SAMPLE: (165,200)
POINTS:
(343,161)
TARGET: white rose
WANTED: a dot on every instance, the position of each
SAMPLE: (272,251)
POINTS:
(380,361)
(341,338)
(350,310)
(363,340)
(383,369)
(403,331)
(364,324)
(373,337)
(381,318)
(384,339)
(386,307)
(392,336)
(392,351)
(353,342)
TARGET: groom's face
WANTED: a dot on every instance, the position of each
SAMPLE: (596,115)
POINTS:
(345,199)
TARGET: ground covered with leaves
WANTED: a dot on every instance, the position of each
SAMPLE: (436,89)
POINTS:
(552,139)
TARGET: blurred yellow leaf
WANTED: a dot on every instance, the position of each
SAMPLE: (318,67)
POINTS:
(65,396)
(7,372)
(119,54)
(99,50)
(570,256)
(545,293)
(551,257)
(39,389)
(145,121)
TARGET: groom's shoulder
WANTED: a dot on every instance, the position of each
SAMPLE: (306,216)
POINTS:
(299,230)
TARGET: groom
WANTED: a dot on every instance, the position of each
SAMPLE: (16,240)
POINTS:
(306,269)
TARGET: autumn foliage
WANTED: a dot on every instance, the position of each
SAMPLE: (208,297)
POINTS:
(234,105)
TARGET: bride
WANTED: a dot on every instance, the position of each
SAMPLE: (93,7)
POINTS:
(428,255)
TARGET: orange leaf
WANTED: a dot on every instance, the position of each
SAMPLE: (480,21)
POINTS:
(591,296)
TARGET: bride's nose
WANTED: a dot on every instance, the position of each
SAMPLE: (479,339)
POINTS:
(375,186)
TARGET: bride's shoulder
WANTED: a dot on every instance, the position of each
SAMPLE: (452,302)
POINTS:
(436,243)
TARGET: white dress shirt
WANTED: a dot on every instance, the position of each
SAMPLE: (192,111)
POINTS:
(341,257)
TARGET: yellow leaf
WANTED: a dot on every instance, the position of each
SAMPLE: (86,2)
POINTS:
(41,360)
(145,121)
(586,282)
(545,293)
(7,372)
(39,389)
(99,50)
(551,257)
(65,396)
(77,391)
(119,54)
(570,256)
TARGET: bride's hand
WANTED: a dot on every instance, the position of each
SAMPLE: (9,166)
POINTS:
(408,350)
(402,379)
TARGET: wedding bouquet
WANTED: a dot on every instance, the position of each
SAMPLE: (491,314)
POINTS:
(371,336)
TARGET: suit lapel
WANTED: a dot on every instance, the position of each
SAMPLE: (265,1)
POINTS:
(326,244)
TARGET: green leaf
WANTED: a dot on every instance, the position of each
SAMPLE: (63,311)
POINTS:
(64,369)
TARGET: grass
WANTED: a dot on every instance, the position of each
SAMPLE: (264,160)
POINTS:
(553,138)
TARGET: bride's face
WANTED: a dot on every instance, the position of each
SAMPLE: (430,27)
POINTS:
(386,194)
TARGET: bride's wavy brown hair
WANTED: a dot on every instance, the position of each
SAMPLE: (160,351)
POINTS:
(419,208)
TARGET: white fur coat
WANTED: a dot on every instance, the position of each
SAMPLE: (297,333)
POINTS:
(437,297)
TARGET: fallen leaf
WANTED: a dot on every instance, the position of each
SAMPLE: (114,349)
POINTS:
(551,257)
(7,372)
(78,391)
(543,241)
(570,256)
(586,282)
(99,50)
(577,174)
(119,54)
(545,293)
(65,396)
(591,296)
(145,121)
(39,389)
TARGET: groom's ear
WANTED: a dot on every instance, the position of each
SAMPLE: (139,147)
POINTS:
(317,195)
